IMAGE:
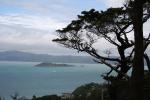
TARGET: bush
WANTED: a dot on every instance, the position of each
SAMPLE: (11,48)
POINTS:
(90,91)
(48,97)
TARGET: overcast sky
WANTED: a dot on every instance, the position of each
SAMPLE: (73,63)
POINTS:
(29,25)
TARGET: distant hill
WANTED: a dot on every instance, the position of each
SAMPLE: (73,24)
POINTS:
(25,56)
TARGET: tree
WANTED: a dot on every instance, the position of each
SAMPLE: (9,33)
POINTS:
(138,64)
(111,25)
(114,25)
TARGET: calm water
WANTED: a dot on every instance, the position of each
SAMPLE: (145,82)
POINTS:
(26,79)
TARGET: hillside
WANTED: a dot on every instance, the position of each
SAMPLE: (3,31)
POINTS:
(25,56)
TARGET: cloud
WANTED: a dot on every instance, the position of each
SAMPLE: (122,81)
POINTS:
(113,3)
(30,21)
(39,49)
(30,33)
(27,29)
(55,8)
(33,30)
(29,40)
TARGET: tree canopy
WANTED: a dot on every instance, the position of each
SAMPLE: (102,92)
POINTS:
(114,25)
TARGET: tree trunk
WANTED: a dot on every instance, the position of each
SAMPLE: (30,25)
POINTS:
(137,77)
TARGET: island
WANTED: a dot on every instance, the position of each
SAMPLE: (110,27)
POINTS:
(43,64)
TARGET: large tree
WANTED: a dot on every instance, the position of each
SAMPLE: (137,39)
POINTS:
(115,25)
(137,79)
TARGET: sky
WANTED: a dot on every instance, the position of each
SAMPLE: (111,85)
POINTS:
(29,25)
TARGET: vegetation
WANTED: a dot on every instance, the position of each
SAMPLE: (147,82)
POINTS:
(82,34)
(114,25)
(91,91)
(137,78)
(48,97)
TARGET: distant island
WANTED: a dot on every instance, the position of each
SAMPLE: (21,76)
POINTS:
(52,65)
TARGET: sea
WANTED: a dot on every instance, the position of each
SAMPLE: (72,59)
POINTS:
(25,79)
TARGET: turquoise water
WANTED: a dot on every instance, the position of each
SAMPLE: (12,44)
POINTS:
(27,80)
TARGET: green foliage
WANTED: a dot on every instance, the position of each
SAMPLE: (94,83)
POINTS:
(48,97)
(90,91)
